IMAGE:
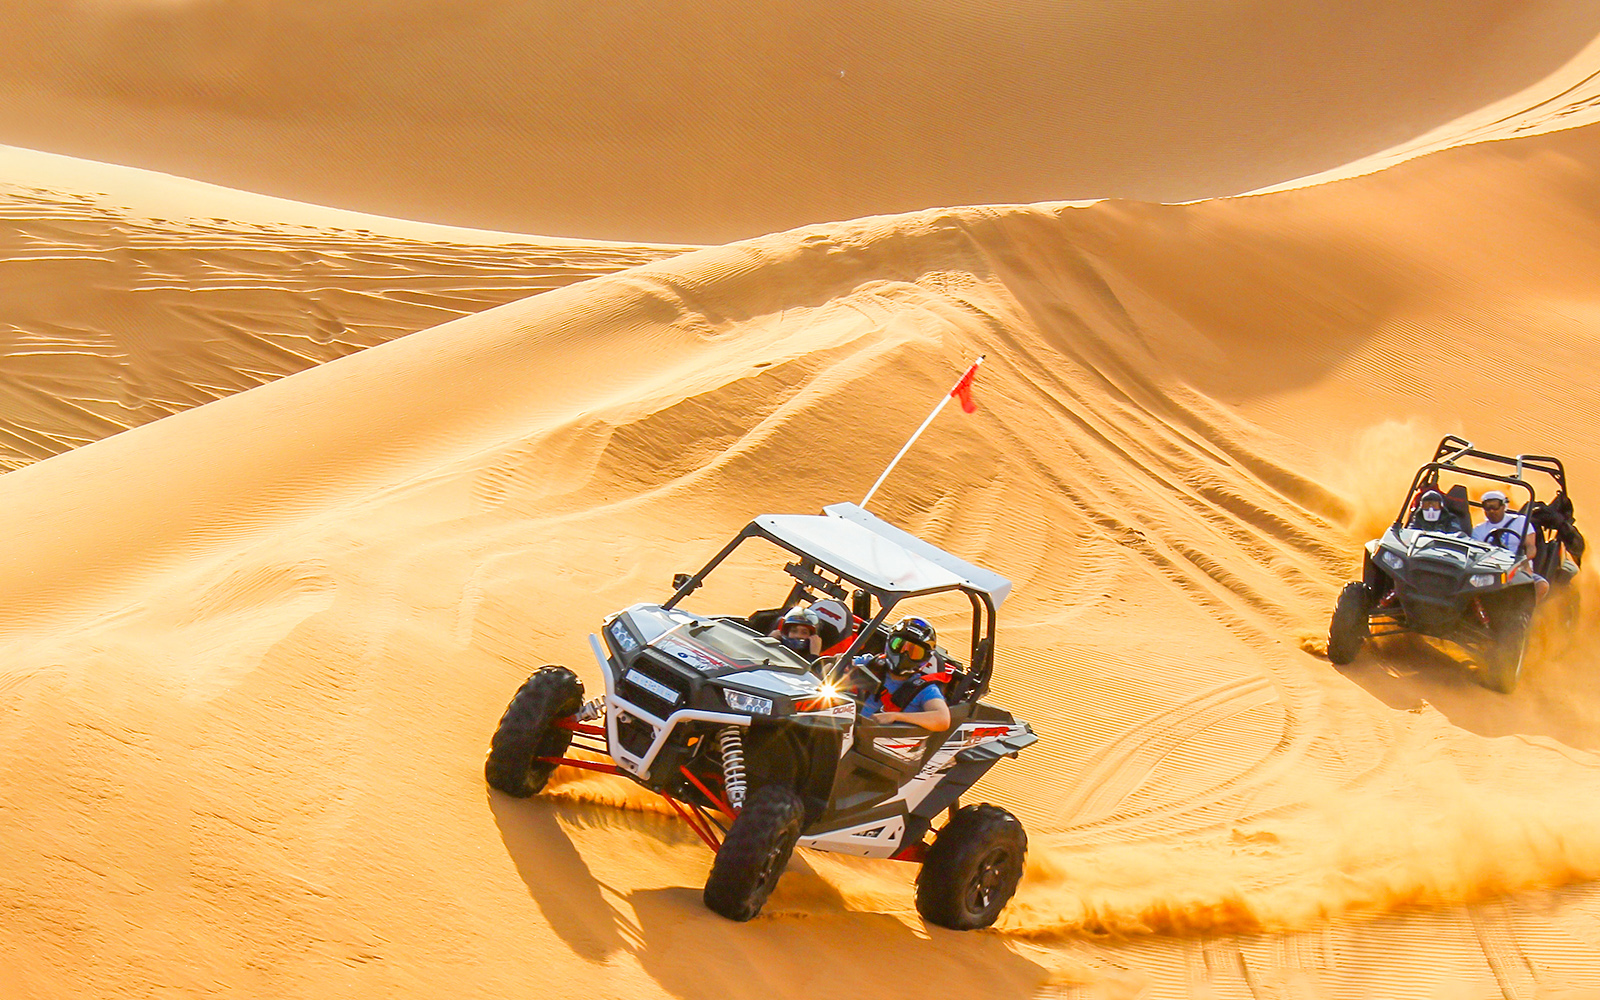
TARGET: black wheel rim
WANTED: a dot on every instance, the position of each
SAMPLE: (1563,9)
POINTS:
(987,881)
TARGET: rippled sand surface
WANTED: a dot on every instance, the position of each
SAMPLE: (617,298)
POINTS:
(298,496)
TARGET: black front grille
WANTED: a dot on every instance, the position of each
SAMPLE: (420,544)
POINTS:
(1435,582)
(1430,617)
(635,735)
(650,700)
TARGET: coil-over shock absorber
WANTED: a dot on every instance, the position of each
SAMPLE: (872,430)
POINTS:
(731,743)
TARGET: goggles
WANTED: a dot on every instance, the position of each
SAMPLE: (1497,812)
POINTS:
(908,648)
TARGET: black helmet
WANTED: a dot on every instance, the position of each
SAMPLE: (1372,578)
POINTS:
(911,644)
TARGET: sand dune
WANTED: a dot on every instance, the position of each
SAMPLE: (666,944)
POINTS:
(302,686)
(254,648)
(708,121)
(118,316)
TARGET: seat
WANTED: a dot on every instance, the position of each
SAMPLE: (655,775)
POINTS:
(835,625)
(1546,556)
(961,687)
(1455,501)
(764,621)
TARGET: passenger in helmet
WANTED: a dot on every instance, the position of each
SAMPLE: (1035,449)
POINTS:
(798,631)
(1432,515)
(912,673)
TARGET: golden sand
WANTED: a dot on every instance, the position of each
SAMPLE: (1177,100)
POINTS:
(298,496)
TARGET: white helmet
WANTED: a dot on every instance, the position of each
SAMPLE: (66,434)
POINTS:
(802,616)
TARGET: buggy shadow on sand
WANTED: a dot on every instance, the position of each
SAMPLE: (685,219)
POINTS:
(1446,585)
(760,750)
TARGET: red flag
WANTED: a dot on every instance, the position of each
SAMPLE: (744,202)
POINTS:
(963,389)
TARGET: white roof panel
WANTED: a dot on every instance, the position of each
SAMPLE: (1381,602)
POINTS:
(876,553)
(977,578)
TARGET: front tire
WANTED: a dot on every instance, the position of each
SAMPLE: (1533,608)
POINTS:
(755,852)
(527,731)
(1351,623)
(1504,660)
(972,869)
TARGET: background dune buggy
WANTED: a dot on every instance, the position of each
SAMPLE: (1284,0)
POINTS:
(1467,592)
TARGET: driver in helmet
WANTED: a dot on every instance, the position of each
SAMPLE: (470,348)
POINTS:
(1432,515)
(910,691)
(798,629)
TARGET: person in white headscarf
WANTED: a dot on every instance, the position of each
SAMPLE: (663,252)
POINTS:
(1501,528)
(1510,532)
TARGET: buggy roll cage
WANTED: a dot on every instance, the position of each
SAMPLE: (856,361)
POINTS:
(1453,449)
(808,579)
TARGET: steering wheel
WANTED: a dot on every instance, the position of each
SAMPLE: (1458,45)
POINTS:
(1493,538)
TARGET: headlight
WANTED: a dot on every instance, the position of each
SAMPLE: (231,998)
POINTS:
(1484,579)
(1391,560)
(751,704)
(622,637)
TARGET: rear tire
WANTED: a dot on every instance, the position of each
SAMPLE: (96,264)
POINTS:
(527,731)
(1503,663)
(755,852)
(972,869)
(1350,626)
(1571,605)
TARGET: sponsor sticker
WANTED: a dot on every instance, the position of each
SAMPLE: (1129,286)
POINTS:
(696,656)
(906,748)
(984,734)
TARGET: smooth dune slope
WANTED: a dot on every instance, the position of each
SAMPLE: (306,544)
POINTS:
(709,120)
(1567,98)
(254,650)
(121,309)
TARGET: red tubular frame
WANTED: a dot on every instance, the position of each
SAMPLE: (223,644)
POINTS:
(587,765)
(911,852)
(696,823)
(695,816)
(691,814)
(717,800)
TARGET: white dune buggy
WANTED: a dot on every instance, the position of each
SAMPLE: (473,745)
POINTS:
(760,750)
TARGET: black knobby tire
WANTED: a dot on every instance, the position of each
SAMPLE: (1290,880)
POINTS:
(1503,666)
(527,731)
(972,869)
(1351,625)
(755,852)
